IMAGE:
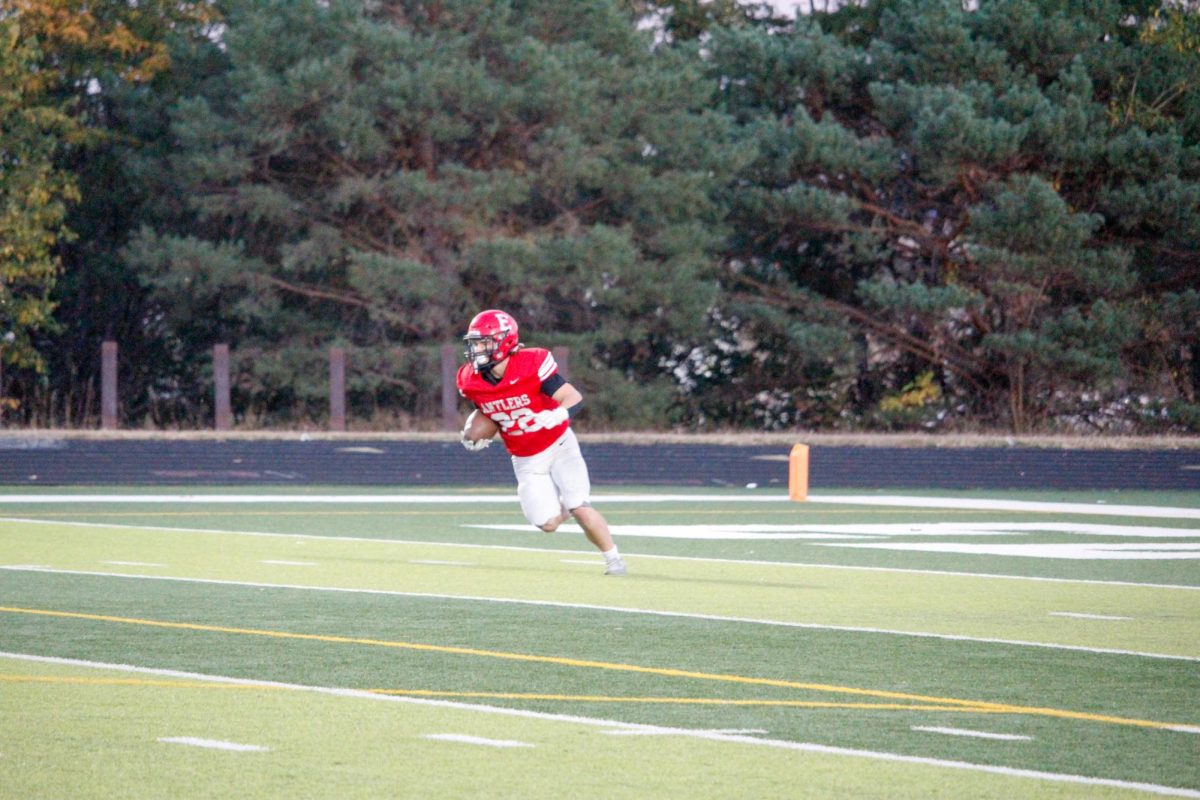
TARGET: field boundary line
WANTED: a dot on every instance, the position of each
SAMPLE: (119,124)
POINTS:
(986,706)
(809,747)
(974,504)
(551,550)
(615,609)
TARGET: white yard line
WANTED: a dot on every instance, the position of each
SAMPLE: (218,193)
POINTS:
(613,609)
(975,504)
(463,738)
(808,747)
(298,538)
(983,504)
(1004,737)
(214,744)
(674,732)
(1078,615)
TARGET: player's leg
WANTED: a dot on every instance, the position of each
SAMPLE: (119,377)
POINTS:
(537,493)
(570,474)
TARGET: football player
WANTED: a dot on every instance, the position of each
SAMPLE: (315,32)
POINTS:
(520,390)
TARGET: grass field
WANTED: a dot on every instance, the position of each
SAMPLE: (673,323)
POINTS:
(334,643)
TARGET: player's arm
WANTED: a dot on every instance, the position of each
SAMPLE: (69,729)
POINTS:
(569,398)
(563,393)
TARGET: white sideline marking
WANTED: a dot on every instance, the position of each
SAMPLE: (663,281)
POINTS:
(727,531)
(585,562)
(214,744)
(1006,737)
(297,538)
(980,504)
(734,530)
(436,563)
(626,610)
(1082,551)
(809,747)
(967,528)
(977,504)
(1077,615)
(464,739)
(132,564)
(288,563)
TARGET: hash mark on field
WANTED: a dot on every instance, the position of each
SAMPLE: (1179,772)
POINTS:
(1006,737)
(464,739)
(806,747)
(677,731)
(133,564)
(289,563)
(214,744)
(436,563)
(1076,615)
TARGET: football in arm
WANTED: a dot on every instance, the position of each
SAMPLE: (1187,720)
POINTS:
(479,427)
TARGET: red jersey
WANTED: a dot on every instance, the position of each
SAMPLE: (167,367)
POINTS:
(513,401)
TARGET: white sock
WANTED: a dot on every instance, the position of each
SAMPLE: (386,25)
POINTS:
(611,555)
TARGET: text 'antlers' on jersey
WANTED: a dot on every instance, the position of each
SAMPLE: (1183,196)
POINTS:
(514,402)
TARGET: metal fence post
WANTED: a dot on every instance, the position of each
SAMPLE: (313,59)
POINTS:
(563,355)
(223,411)
(450,419)
(108,385)
(337,389)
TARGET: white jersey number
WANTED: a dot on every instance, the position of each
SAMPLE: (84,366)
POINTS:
(518,422)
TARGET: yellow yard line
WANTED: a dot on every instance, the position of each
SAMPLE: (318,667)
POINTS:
(582,698)
(687,701)
(972,705)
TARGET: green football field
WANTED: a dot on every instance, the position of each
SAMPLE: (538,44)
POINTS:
(338,643)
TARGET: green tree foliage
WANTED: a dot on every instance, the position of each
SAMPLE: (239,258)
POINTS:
(896,214)
(33,197)
(1010,195)
(97,71)
(373,174)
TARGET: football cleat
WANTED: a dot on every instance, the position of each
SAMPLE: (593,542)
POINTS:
(617,568)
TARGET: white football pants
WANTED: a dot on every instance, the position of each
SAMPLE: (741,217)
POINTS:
(551,479)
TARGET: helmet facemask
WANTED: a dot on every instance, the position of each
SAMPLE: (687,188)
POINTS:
(491,338)
(481,350)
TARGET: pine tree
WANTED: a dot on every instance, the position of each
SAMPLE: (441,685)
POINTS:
(985,193)
(374,175)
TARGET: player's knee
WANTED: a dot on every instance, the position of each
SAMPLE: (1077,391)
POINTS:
(550,526)
(585,512)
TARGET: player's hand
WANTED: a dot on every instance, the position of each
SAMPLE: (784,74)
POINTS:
(474,445)
(551,417)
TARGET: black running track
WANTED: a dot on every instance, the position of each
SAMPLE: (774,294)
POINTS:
(41,461)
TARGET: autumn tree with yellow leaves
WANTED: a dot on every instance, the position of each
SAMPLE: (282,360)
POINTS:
(56,59)
(33,194)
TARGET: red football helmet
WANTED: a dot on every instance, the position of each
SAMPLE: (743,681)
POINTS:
(491,338)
